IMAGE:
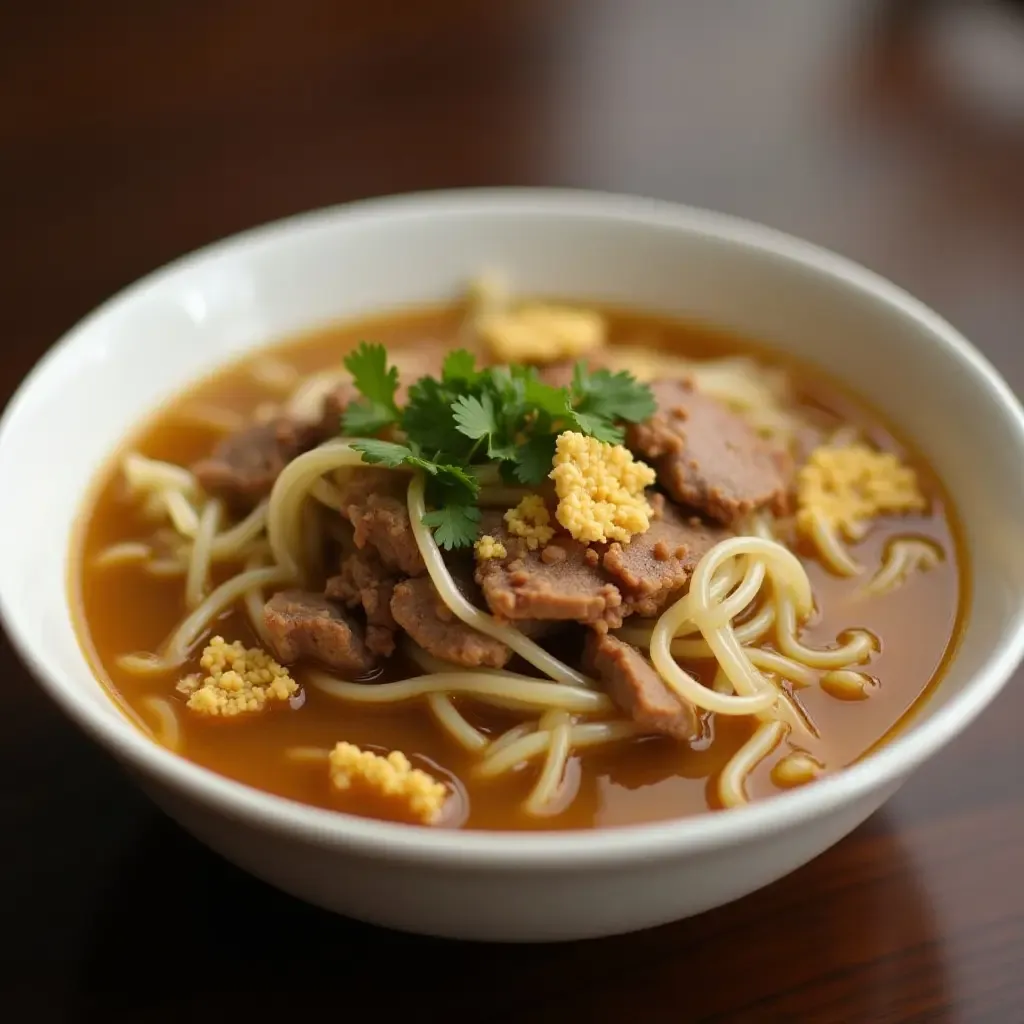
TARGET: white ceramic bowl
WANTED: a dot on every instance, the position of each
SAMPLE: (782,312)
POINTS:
(162,333)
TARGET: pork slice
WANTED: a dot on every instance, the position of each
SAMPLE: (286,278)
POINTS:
(708,457)
(636,688)
(419,610)
(654,567)
(244,465)
(563,582)
(365,582)
(374,502)
(307,625)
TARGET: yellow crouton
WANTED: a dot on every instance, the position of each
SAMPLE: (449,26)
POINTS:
(488,547)
(600,488)
(392,777)
(848,486)
(238,681)
(531,521)
(541,333)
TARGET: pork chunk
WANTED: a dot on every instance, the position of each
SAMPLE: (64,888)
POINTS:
(636,688)
(374,502)
(708,457)
(244,466)
(365,582)
(419,610)
(307,625)
(561,582)
(655,566)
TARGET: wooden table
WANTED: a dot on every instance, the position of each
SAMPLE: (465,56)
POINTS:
(133,132)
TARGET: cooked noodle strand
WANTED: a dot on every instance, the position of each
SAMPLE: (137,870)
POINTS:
(732,781)
(473,616)
(455,724)
(539,693)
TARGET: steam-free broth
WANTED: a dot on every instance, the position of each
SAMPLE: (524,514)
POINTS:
(125,608)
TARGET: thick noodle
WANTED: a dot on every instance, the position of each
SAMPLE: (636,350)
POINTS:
(167,731)
(454,723)
(212,417)
(532,745)
(288,499)
(746,679)
(558,726)
(175,650)
(732,782)
(830,547)
(197,578)
(538,693)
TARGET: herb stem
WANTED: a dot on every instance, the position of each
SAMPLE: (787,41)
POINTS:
(474,450)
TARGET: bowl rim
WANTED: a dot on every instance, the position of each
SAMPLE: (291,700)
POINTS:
(603,846)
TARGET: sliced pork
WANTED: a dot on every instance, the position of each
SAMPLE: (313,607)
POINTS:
(708,457)
(307,625)
(636,688)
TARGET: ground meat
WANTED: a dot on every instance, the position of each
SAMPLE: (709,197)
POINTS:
(637,689)
(307,625)
(244,466)
(655,566)
(708,457)
(364,582)
(543,585)
(419,610)
(374,502)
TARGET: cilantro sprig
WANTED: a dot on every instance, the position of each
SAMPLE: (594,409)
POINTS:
(470,417)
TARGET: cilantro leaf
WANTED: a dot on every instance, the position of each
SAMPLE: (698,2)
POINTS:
(460,483)
(459,366)
(543,397)
(453,485)
(362,418)
(372,377)
(474,416)
(428,419)
(533,459)
(383,453)
(613,396)
(503,414)
(596,426)
(452,489)
(454,526)
(502,452)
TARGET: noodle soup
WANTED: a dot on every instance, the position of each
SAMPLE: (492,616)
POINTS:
(643,570)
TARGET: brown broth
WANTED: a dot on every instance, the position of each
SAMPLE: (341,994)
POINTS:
(124,609)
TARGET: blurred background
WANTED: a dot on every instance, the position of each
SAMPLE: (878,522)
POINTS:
(134,131)
(892,130)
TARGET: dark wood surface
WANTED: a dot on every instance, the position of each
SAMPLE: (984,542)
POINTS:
(133,132)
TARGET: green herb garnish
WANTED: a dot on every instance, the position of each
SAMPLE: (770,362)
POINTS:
(472,417)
